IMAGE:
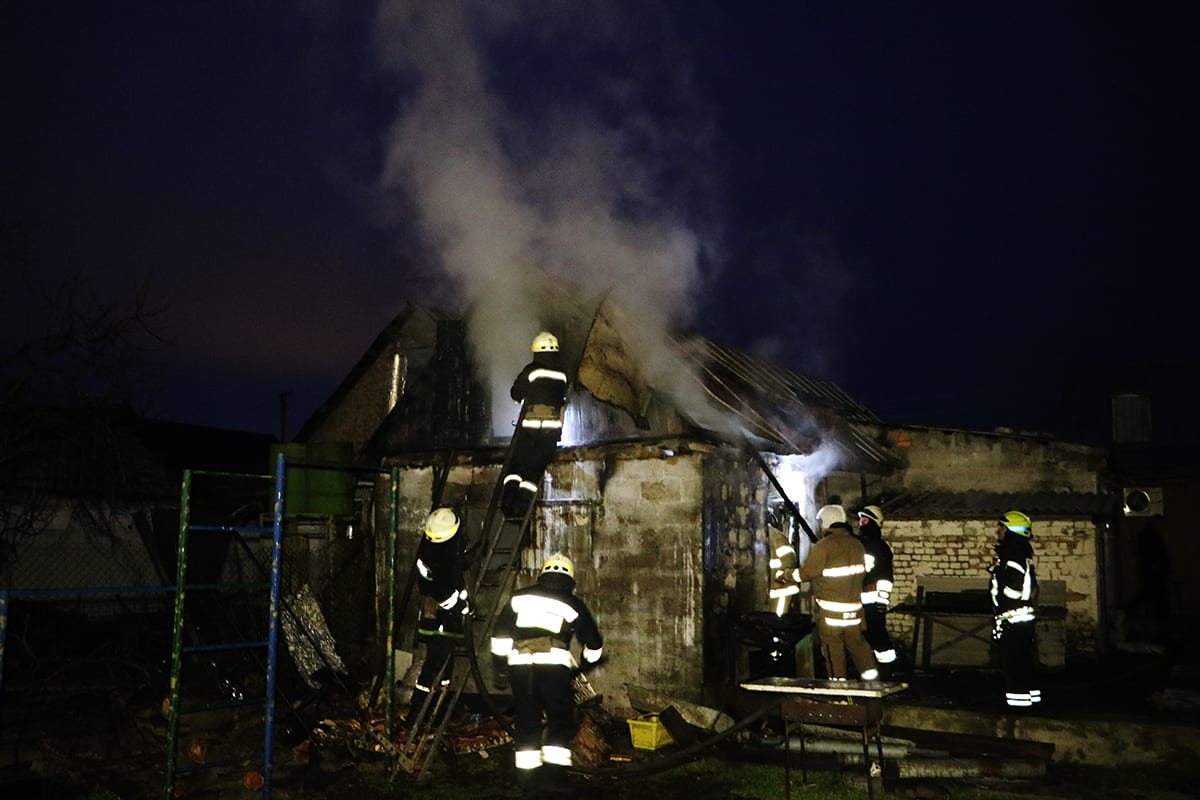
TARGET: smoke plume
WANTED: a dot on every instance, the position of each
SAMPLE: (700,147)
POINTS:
(548,141)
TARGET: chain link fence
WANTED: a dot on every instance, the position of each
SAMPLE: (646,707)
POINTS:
(88,634)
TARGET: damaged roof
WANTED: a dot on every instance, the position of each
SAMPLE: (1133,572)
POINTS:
(988,505)
(774,408)
(787,407)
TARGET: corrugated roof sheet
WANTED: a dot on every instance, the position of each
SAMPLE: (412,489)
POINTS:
(774,383)
(987,505)
(784,406)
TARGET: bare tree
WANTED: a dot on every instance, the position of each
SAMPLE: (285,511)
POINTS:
(66,346)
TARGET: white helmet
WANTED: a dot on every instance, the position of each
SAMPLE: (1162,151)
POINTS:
(560,564)
(441,525)
(830,515)
(873,513)
(545,342)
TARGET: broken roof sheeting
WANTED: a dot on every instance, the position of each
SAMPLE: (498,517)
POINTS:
(783,406)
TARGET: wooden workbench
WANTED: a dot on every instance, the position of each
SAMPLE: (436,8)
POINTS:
(818,701)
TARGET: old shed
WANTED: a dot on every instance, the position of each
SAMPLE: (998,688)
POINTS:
(672,459)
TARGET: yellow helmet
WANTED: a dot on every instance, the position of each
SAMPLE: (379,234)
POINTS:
(1018,523)
(545,342)
(441,525)
(560,564)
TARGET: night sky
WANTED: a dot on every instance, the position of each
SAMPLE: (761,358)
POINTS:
(949,209)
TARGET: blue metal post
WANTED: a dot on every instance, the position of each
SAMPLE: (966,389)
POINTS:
(273,625)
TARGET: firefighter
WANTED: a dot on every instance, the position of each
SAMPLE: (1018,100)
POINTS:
(1014,592)
(836,564)
(877,586)
(541,388)
(533,636)
(444,602)
(785,572)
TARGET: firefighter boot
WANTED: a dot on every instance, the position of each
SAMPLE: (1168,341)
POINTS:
(514,502)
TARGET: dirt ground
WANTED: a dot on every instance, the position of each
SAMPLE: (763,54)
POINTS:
(105,745)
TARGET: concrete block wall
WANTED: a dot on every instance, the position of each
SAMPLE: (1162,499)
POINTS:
(961,461)
(630,518)
(1063,550)
(643,575)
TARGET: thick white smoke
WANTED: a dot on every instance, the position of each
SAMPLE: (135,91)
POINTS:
(532,141)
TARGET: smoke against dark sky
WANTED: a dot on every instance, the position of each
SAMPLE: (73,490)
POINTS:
(515,179)
(945,209)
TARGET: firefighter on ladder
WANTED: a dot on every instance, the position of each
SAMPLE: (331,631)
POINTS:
(444,604)
(836,564)
(542,390)
(877,586)
(1013,590)
(533,636)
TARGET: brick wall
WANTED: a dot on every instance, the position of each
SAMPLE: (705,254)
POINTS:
(1063,550)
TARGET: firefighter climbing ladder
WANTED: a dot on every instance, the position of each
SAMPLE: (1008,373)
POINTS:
(502,538)
(175,709)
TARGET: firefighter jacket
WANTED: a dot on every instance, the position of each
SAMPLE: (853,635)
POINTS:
(1013,583)
(542,387)
(440,581)
(537,625)
(785,575)
(836,565)
(877,581)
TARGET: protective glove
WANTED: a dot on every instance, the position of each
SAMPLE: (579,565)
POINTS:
(464,606)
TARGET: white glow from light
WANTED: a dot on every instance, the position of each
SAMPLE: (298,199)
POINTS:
(397,386)
(574,431)
(799,475)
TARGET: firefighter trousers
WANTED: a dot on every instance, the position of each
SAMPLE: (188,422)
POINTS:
(1018,653)
(539,689)
(836,641)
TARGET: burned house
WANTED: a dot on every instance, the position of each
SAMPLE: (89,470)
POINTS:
(672,460)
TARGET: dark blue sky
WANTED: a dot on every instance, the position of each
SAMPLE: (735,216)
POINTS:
(946,208)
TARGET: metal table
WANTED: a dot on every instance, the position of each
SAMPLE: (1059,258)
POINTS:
(813,700)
